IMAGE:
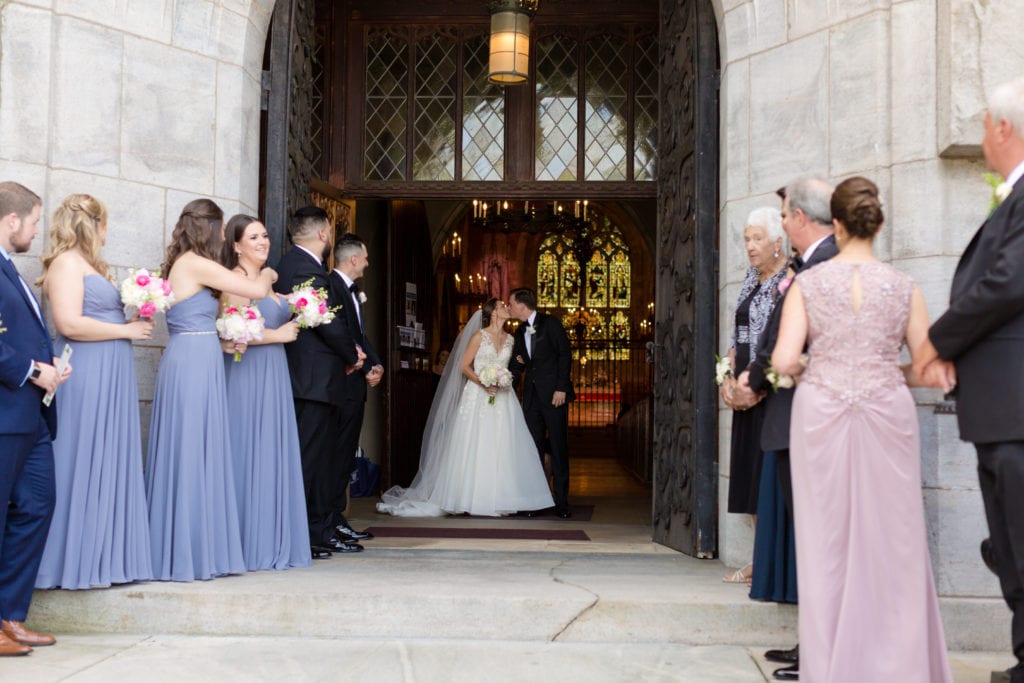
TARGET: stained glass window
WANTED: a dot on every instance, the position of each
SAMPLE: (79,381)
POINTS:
(547,280)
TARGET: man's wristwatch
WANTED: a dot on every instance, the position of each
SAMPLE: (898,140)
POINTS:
(35,373)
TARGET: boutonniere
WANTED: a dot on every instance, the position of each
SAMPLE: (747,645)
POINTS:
(530,329)
(1000,190)
(362,297)
(2,328)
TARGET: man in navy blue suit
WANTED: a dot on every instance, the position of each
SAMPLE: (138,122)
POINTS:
(27,427)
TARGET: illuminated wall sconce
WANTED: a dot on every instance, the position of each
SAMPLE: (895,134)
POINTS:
(510,41)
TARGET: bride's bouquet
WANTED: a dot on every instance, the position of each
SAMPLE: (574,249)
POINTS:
(495,376)
(309,305)
(145,293)
(241,325)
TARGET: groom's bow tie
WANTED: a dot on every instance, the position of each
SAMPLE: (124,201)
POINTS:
(798,263)
(354,288)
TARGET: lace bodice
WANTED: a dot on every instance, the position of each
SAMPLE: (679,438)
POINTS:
(855,354)
(487,355)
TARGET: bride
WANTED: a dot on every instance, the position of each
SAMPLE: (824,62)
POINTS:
(477,457)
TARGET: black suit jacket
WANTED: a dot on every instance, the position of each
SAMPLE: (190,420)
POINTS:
(983,329)
(547,368)
(779,404)
(23,339)
(355,384)
(317,358)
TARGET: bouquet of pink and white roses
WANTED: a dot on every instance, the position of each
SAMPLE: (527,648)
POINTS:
(495,376)
(309,305)
(145,293)
(241,325)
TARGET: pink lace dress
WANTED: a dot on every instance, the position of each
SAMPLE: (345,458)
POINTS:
(868,608)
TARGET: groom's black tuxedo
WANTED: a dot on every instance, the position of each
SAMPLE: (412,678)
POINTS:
(316,363)
(543,371)
(982,332)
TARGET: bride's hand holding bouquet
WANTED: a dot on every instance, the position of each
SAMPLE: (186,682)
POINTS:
(493,378)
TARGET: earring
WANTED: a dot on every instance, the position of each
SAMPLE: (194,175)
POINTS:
(776,254)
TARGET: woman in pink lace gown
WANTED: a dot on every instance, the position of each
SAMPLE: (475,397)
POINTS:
(868,608)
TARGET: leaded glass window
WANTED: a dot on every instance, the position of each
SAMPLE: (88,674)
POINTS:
(605,114)
(557,110)
(434,134)
(645,108)
(483,117)
(387,77)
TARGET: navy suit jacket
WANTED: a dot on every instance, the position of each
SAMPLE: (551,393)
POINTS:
(983,329)
(23,339)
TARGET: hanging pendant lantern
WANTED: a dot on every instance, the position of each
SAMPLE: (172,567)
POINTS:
(510,41)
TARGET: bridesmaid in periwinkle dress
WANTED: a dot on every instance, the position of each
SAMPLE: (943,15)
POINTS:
(100,534)
(264,438)
(193,516)
(868,608)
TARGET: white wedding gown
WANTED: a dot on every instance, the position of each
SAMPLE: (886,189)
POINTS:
(479,458)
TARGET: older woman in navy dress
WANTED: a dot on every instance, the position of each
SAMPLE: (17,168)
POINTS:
(264,437)
(100,533)
(193,514)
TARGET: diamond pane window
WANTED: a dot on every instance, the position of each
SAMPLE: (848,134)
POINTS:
(434,131)
(387,72)
(557,110)
(606,136)
(483,116)
(645,109)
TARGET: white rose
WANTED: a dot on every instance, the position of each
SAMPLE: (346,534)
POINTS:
(1003,191)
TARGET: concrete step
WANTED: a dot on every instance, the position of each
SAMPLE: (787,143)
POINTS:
(479,595)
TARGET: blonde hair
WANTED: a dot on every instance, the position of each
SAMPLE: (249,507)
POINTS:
(76,227)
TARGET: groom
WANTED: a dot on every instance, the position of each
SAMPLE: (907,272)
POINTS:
(982,333)
(541,359)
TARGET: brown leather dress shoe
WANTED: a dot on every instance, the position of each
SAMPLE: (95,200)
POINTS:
(9,648)
(15,630)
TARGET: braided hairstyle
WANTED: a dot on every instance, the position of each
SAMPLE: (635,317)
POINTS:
(76,225)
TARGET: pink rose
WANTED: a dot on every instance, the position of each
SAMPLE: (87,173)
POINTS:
(165,287)
(322,308)
(147,310)
(301,302)
(231,311)
(784,285)
(250,314)
(142,280)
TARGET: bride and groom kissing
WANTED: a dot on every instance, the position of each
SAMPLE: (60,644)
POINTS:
(484,458)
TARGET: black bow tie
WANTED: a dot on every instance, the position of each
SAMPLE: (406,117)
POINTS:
(354,288)
(798,263)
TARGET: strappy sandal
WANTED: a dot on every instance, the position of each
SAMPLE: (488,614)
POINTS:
(740,575)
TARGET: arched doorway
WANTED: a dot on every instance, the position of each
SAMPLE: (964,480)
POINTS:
(386,163)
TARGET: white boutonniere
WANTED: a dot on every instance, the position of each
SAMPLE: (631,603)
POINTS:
(362,297)
(530,329)
(723,369)
(2,328)
(1000,190)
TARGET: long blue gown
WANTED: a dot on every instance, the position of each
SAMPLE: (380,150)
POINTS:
(265,447)
(99,535)
(193,515)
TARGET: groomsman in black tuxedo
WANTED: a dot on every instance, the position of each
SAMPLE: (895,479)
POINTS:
(317,362)
(981,335)
(27,427)
(350,262)
(807,221)
(541,359)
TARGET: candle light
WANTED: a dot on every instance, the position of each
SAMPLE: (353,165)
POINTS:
(458,283)
(585,202)
(476,209)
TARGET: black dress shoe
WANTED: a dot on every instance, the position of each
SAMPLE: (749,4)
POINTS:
(787,673)
(318,552)
(563,513)
(345,530)
(783,656)
(988,556)
(340,545)
(539,513)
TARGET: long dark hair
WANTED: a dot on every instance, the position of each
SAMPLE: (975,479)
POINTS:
(233,233)
(486,311)
(197,230)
